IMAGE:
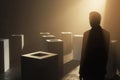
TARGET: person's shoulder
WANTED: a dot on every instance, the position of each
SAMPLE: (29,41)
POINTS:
(86,32)
(105,31)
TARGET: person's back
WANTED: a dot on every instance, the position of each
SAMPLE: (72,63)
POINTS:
(94,50)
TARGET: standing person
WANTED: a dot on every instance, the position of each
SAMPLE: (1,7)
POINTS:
(94,50)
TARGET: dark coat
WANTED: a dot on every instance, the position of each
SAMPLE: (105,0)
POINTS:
(94,53)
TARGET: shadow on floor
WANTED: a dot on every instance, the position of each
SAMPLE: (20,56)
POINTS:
(68,67)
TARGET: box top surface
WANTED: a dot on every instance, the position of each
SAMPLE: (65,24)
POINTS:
(77,35)
(42,33)
(48,36)
(39,55)
(66,32)
(54,40)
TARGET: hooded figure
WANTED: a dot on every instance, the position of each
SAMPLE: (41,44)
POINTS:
(95,50)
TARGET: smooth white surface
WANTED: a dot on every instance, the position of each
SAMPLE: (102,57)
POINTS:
(112,60)
(77,46)
(66,32)
(6,54)
(48,36)
(44,33)
(54,40)
(31,55)
(22,39)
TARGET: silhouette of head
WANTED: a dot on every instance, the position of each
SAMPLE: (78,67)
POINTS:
(95,19)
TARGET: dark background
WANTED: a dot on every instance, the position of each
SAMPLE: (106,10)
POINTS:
(30,17)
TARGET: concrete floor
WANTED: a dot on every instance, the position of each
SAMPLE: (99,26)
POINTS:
(71,70)
(72,75)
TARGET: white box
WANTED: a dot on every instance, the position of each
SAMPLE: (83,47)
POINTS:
(4,44)
(16,49)
(56,46)
(112,60)
(67,42)
(43,44)
(77,46)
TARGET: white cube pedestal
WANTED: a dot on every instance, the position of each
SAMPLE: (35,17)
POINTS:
(44,33)
(118,58)
(77,46)
(4,55)
(56,46)
(43,44)
(67,46)
(39,66)
(112,60)
(16,49)
(67,42)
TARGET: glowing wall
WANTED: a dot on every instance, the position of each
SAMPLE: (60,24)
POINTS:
(30,17)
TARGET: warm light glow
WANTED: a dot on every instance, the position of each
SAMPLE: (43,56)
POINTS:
(86,6)
(76,16)
(96,5)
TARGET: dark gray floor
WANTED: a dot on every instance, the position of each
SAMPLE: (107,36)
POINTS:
(11,75)
(71,70)
(15,74)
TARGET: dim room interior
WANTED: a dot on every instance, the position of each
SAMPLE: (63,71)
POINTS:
(42,39)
